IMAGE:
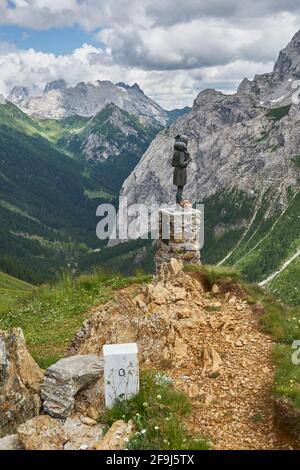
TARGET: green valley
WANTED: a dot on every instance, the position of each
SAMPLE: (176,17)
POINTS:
(241,233)
(51,181)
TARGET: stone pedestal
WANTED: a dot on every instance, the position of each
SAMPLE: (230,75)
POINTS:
(179,236)
(121,372)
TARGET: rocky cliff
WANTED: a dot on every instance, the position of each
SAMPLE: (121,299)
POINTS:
(244,150)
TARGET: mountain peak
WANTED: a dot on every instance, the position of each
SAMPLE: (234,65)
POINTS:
(288,61)
(55,85)
(87,99)
(135,87)
(207,97)
(18,93)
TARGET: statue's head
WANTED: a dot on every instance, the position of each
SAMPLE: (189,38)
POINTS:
(184,139)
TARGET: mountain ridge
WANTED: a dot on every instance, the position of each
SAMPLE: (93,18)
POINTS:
(58,100)
(243,148)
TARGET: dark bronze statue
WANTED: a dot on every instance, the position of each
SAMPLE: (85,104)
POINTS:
(180,161)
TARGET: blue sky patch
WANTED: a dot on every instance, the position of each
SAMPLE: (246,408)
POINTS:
(55,40)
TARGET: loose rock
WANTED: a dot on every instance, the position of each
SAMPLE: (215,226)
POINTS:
(65,379)
(117,436)
(42,433)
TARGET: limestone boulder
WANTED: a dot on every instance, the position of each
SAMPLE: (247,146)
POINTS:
(82,433)
(20,382)
(64,379)
(117,436)
(42,433)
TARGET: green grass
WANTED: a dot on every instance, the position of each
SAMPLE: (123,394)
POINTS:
(158,412)
(53,313)
(285,286)
(278,113)
(12,291)
(267,245)
(296,160)
(214,273)
(99,194)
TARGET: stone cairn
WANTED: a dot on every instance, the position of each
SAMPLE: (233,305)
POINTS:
(179,236)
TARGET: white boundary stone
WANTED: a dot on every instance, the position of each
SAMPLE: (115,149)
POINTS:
(121,372)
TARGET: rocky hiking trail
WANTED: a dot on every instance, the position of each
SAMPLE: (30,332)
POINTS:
(210,343)
(205,337)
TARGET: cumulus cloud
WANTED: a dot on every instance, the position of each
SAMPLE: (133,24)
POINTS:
(172,48)
(168,87)
(91,14)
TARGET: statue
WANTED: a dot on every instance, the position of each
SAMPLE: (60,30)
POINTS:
(180,161)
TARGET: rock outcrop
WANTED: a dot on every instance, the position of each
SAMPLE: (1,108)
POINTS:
(152,318)
(20,382)
(232,140)
(243,149)
(64,379)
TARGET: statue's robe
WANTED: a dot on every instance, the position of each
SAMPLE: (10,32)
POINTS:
(181,159)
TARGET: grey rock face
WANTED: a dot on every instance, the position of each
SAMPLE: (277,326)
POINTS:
(86,99)
(18,94)
(20,381)
(276,88)
(65,379)
(130,138)
(233,142)
(55,85)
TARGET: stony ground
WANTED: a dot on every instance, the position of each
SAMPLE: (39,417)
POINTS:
(210,343)
(232,400)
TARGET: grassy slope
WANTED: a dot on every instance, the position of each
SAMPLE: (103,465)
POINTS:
(265,245)
(12,290)
(69,135)
(286,284)
(42,200)
(49,193)
(51,314)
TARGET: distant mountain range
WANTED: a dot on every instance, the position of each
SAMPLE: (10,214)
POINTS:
(53,175)
(86,99)
(245,167)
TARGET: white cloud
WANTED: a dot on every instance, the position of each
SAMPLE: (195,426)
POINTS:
(172,48)
(168,87)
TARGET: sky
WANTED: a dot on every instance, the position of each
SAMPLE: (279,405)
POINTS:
(172,48)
